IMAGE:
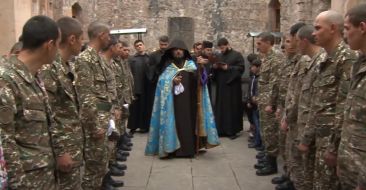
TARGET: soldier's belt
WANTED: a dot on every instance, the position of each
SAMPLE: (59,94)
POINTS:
(104,106)
(323,131)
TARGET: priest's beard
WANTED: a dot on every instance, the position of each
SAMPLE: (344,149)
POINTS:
(178,59)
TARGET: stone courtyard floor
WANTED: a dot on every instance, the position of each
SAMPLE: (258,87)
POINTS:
(226,167)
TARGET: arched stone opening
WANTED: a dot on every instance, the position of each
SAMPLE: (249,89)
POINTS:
(77,11)
(274,16)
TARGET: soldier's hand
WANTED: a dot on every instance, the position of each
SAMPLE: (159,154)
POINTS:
(99,134)
(278,114)
(303,148)
(224,67)
(284,125)
(330,159)
(117,114)
(268,109)
(65,163)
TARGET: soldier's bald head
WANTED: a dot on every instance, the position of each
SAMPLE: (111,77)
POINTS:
(95,28)
(332,18)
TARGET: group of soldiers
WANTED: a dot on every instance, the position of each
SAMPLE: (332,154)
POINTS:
(312,103)
(63,113)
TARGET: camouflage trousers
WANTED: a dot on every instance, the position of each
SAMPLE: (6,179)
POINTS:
(96,158)
(325,177)
(295,162)
(282,148)
(349,165)
(43,178)
(269,131)
(70,180)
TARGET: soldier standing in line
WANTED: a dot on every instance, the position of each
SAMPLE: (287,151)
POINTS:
(128,85)
(287,71)
(114,85)
(352,148)
(95,105)
(330,91)
(289,119)
(267,99)
(25,114)
(58,77)
(305,164)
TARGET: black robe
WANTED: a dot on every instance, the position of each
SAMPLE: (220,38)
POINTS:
(151,82)
(228,106)
(185,105)
(138,111)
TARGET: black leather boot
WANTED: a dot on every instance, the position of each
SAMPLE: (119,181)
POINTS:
(124,147)
(110,181)
(123,153)
(280,179)
(287,185)
(120,157)
(260,155)
(114,171)
(270,168)
(117,165)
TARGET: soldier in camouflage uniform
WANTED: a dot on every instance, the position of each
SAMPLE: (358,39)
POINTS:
(95,105)
(352,148)
(109,54)
(289,118)
(267,99)
(285,74)
(58,77)
(26,118)
(127,80)
(330,90)
(302,173)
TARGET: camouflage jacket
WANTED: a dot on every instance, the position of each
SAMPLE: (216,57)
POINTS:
(294,87)
(285,74)
(268,80)
(306,93)
(68,136)
(111,81)
(354,126)
(127,81)
(92,88)
(120,80)
(330,91)
(25,120)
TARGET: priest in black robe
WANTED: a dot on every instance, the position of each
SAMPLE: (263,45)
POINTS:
(227,75)
(182,120)
(138,111)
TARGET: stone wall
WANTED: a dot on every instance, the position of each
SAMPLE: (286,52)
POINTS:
(212,19)
(293,11)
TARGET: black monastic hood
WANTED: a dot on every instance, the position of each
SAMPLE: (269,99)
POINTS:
(168,55)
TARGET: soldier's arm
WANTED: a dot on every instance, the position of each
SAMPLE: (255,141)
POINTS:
(274,82)
(49,77)
(343,88)
(11,152)
(86,96)
(362,175)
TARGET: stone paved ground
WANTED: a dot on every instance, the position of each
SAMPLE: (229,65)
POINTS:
(227,167)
